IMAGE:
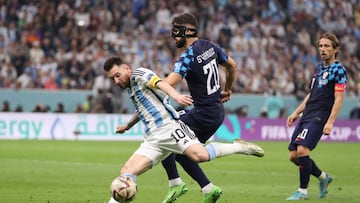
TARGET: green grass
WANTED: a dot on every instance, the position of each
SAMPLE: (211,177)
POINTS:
(81,171)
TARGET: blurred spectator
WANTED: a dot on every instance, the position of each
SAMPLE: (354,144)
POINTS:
(25,78)
(41,108)
(272,41)
(103,102)
(82,16)
(88,105)
(355,112)
(9,75)
(5,106)
(101,84)
(50,83)
(79,109)
(60,108)
(4,56)
(36,53)
(18,108)
(4,35)
(19,60)
(48,66)
(242,111)
(118,103)
(107,102)
(273,106)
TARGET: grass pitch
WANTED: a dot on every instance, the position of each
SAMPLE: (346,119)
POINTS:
(81,171)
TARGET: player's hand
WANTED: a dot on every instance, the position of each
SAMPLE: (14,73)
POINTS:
(225,95)
(291,119)
(327,128)
(185,100)
(121,128)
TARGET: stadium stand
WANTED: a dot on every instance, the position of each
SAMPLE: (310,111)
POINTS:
(60,45)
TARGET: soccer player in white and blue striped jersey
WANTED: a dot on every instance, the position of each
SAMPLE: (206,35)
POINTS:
(164,132)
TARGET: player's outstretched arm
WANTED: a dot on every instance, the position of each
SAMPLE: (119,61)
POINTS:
(179,98)
(130,124)
(173,79)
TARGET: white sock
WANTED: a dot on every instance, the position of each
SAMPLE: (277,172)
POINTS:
(176,181)
(217,149)
(207,188)
(322,176)
(303,190)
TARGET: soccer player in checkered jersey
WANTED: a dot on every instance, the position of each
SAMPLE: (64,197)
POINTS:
(317,115)
(199,66)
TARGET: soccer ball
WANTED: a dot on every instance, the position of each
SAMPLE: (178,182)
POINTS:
(123,189)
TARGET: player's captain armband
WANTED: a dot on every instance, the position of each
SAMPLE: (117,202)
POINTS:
(153,80)
(340,87)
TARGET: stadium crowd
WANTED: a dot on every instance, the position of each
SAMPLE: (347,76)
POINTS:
(62,44)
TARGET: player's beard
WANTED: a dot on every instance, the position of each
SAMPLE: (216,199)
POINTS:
(181,43)
(326,57)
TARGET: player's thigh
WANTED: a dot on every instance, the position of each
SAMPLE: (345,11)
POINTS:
(136,164)
(173,137)
(153,150)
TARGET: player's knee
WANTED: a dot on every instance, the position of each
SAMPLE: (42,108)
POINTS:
(293,157)
(200,157)
(294,160)
(302,151)
(197,154)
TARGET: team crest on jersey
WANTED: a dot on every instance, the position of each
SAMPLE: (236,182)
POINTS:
(323,80)
(325,75)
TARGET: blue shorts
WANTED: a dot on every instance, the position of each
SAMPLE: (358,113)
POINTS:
(204,121)
(307,133)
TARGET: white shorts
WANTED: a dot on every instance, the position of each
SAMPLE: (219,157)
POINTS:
(173,137)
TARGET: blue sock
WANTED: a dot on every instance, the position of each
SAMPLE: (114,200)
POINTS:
(211,150)
(315,171)
(169,165)
(193,169)
(132,176)
(305,171)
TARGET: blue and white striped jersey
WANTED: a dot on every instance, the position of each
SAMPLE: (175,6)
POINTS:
(152,104)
